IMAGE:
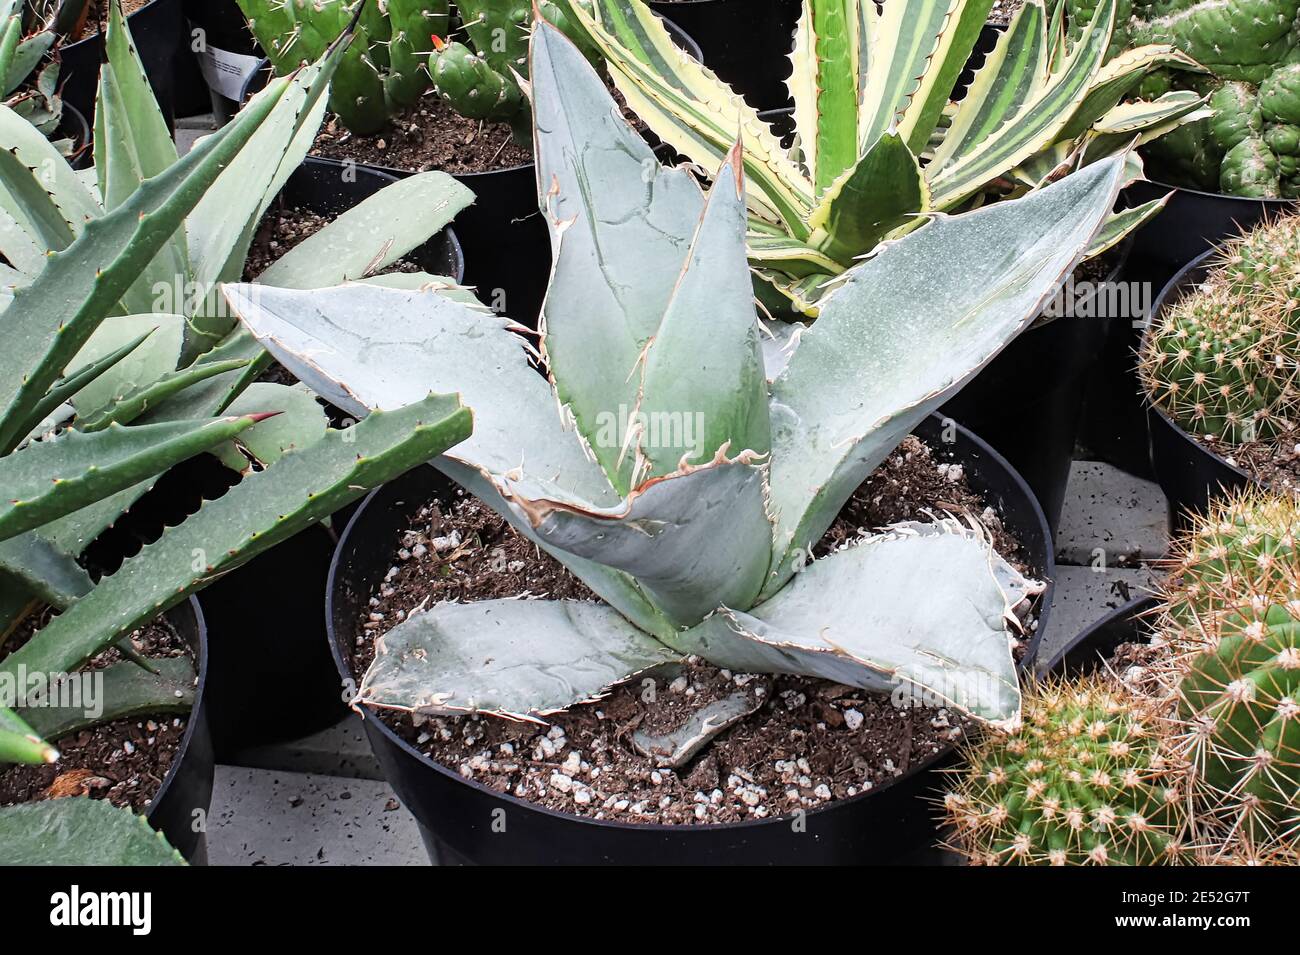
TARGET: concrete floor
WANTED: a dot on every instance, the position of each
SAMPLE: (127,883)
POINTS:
(322,800)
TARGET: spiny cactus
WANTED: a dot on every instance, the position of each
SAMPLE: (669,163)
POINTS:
(383,71)
(1222,360)
(1252,48)
(1081,781)
(1231,619)
(479,79)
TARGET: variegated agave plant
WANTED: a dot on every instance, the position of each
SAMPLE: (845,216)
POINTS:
(877,139)
(697,544)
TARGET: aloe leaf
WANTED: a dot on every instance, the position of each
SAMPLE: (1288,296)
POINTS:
(44,569)
(877,193)
(299,421)
(1008,77)
(710,330)
(80,831)
(1036,124)
(901,609)
(128,691)
(132,406)
(372,235)
(26,57)
(264,509)
(612,245)
(19,743)
(48,321)
(523,659)
(156,358)
(48,479)
(906,329)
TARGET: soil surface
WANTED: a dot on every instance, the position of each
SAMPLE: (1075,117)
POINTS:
(428,136)
(807,743)
(124,761)
(1275,463)
(1003,11)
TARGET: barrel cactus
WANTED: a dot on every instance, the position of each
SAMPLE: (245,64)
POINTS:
(1251,147)
(1082,780)
(1231,618)
(383,71)
(1222,360)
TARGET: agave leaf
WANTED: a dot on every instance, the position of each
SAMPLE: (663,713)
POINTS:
(155,358)
(905,330)
(871,616)
(702,385)
(876,194)
(1132,118)
(1007,78)
(80,831)
(612,245)
(1119,225)
(1036,124)
(48,321)
(372,235)
(1118,76)
(299,422)
(522,659)
(19,743)
(826,57)
(44,569)
(264,509)
(48,479)
(137,403)
(19,247)
(38,189)
(129,691)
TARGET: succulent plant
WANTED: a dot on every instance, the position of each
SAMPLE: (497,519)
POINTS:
(691,469)
(384,70)
(29,67)
(86,424)
(1222,360)
(80,831)
(1081,780)
(1231,619)
(878,143)
(1251,145)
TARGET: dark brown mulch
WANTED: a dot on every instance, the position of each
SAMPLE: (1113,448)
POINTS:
(1275,463)
(810,741)
(124,761)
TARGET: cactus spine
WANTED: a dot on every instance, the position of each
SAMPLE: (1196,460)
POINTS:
(1222,360)
(384,70)
(1231,620)
(1080,781)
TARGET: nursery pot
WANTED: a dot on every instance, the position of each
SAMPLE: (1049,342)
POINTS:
(73,126)
(158,32)
(1092,647)
(1193,221)
(216,59)
(504,237)
(267,638)
(461,820)
(745,42)
(1190,474)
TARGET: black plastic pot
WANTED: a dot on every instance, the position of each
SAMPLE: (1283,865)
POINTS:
(462,821)
(266,635)
(216,34)
(1193,220)
(1189,473)
(745,42)
(179,809)
(1094,646)
(158,33)
(73,126)
(504,237)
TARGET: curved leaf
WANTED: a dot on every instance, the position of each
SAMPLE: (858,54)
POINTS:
(80,831)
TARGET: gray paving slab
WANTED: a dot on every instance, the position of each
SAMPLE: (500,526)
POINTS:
(272,817)
(341,750)
(1112,513)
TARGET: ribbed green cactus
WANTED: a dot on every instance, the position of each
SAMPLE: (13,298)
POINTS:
(1252,47)
(1232,620)
(1081,781)
(1222,360)
(385,68)
(479,78)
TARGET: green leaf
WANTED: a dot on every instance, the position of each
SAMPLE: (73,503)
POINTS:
(299,421)
(523,659)
(44,569)
(48,479)
(264,509)
(19,743)
(128,692)
(38,189)
(372,235)
(904,331)
(828,46)
(134,405)
(80,831)
(916,606)
(156,358)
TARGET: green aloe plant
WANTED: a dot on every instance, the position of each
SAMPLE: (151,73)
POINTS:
(86,423)
(877,141)
(695,544)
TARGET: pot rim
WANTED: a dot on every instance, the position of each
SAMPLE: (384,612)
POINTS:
(1174,285)
(191,725)
(1023,667)
(1134,608)
(1277,203)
